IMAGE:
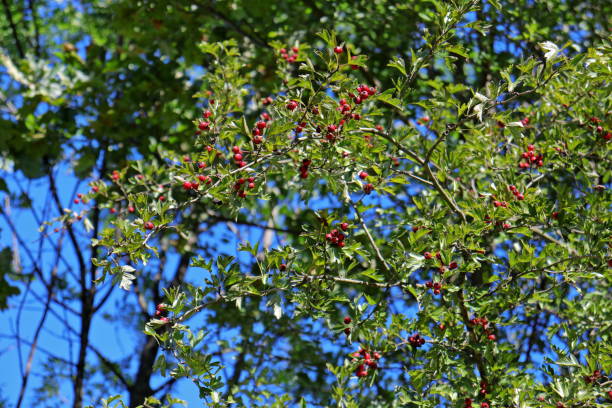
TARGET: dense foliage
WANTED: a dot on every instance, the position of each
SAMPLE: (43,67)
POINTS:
(301,203)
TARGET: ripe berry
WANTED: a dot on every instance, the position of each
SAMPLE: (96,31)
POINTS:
(282,267)
(491,337)
(344,226)
(347,331)
(187,185)
(347,320)
(338,50)
(484,405)
(368,188)
(76,201)
(149,225)
(452,265)
(131,209)
(427,255)
(261,125)
(292,105)
(363,175)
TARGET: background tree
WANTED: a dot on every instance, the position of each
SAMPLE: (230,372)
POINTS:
(447,220)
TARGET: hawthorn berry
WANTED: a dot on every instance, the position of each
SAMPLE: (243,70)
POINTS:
(338,50)
(291,105)
(347,320)
(452,265)
(427,255)
(347,331)
(149,225)
(282,267)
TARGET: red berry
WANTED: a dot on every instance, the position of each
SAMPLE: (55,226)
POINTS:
(187,185)
(236,149)
(520,197)
(292,105)
(149,225)
(484,405)
(131,209)
(347,320)
(363,175)
(344,226)
(238,157)
(282,267)
(427,255)
(491,337)
(165,319)
(347,331)
(76,200)
(338,50)
(203,125)
(452,265)
(261,125)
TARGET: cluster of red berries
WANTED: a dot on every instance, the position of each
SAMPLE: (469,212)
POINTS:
(347,320)
(364,92)
(289,57)
(190,185)
(259,128)
(482,321)
(304,168)
(238,156)
(517,194)
(500,204)
(600,129)
(436,286)
(425,119)
(369,361)
(300,127)
(531,158)
(336,238)
(484,388)
(592,378)
(429,255)
(468,404)
(416,340)
(81,199)
(239,186)
(504,225)
(161,312)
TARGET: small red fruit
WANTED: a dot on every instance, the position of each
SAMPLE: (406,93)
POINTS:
(363,175)
(338,50)
(344,226)
(427,255)
(187,185)
(452,265)
(491,337)
(347,331)
(347,320)
(282,267)
(149,225)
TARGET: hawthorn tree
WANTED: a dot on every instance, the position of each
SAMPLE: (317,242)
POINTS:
(411,210)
